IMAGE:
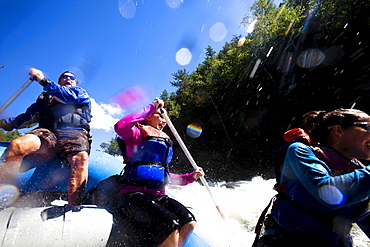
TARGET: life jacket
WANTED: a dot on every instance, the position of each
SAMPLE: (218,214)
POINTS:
(336,161)
(296,134)
(291,136)
(338,164)
(54,114)
(148,166)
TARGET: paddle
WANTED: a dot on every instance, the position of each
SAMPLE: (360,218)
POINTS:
(190,158)
(15,95)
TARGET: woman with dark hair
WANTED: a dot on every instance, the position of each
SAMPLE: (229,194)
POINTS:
(323,190)
(158,220)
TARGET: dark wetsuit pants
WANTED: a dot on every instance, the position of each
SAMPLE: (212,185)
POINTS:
(147,220)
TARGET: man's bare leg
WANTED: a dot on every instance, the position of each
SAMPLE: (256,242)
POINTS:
(15,153)
(78,178)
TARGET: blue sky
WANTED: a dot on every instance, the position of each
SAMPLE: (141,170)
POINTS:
(116,48)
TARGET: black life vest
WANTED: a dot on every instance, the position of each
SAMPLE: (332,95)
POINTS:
(54,114)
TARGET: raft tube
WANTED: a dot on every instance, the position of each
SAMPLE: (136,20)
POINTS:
(33,210)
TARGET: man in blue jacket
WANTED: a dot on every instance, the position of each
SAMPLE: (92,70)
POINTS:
(63,112)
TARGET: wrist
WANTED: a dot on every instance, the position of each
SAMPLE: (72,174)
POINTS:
(44,82)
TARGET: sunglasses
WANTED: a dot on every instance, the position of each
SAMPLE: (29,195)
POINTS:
(72,77)
(364,125)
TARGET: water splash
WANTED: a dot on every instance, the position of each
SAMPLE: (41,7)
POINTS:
(242,203)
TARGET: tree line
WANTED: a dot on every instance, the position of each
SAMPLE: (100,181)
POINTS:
(301,56)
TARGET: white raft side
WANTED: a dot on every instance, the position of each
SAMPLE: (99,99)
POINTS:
(210,227)
(29,227)
(4,219)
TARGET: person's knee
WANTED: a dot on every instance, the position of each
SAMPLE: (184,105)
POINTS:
(82,156)
(190,226)
(24,145)
(79,168)
(79,160)
(16,148)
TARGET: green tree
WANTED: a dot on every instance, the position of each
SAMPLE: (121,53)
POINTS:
(244,114)
(9,135)
(111,147)
(172,107)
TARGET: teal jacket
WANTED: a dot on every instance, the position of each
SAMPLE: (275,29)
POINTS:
(341,199)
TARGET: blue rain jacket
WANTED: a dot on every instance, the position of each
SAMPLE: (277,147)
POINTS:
(309,181)
(57,107)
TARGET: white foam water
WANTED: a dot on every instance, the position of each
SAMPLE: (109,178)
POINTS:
(241,203)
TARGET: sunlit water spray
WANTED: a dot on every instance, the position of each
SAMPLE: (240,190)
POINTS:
(242,203)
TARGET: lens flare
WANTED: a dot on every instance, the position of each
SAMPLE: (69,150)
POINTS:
(201,96)
(217,32)
(241,41)
(175,4)
(251,26)
(127,8)
(130,97)
(310,58)
(183,56)
(285,62)
(331,195)
(9,194)
(194,130)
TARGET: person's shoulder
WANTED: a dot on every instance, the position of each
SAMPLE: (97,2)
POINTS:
(78,88)
(299,146)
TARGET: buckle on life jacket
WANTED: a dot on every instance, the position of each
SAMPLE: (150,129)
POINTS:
(153,149)
(151,172)
(146,174)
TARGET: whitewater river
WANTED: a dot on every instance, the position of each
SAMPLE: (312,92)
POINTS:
(241,203)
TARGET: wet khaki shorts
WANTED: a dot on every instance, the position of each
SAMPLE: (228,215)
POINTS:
(65,140)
